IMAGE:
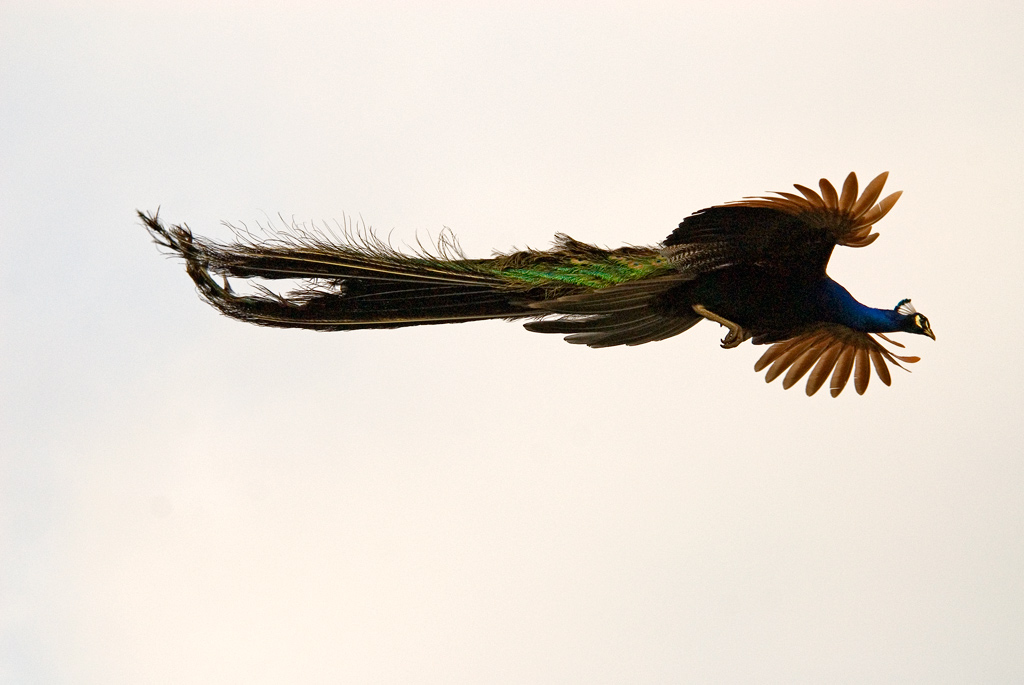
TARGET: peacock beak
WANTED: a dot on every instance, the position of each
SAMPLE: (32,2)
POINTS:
(928,332)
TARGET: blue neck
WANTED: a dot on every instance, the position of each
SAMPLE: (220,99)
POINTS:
(837,305)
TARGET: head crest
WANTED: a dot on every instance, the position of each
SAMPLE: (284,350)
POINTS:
(905,307)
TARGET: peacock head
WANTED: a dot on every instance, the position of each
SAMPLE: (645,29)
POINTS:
(913,320)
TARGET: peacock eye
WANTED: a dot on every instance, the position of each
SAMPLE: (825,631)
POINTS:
(919,321)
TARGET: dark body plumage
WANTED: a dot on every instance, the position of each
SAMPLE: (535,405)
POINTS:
(756,266)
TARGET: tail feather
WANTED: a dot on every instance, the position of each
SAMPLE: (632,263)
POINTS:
(606,297)
(626,314)
(308,256)
(347,286)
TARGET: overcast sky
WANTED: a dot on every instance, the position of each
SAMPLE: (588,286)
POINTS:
(189,499)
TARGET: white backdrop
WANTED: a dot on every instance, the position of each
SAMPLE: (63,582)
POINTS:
(188,499)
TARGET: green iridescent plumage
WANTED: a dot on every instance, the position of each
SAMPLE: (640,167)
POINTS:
(579,266)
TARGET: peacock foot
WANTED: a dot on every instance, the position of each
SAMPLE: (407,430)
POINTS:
(737,334)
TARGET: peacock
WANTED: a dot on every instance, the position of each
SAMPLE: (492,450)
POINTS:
(756,266)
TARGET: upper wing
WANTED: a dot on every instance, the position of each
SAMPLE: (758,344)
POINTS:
(831,349)
(798,231)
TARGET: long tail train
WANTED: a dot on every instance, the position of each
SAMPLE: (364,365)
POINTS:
(608,295)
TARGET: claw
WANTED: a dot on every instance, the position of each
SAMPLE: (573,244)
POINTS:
(735,337)
(737,334)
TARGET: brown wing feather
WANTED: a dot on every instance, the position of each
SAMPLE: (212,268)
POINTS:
(847,217)
(830,349)
(782,356)
(878,361)
(844,366)
(811,196)
(823,368)
(828,193)
(862,374)
(849,195)
(807,360)
(869,196)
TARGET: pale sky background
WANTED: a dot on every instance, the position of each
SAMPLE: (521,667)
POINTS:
(189,499)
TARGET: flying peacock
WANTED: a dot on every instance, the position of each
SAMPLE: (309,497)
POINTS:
(756,266)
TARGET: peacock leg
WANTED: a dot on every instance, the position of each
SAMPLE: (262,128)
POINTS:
(736,333)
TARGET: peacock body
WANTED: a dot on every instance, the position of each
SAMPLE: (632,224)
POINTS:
(756,266)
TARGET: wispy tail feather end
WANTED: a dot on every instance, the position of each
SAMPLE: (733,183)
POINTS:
(346,286)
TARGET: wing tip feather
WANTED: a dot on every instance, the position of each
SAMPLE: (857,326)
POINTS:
(833,351)
(849,214)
